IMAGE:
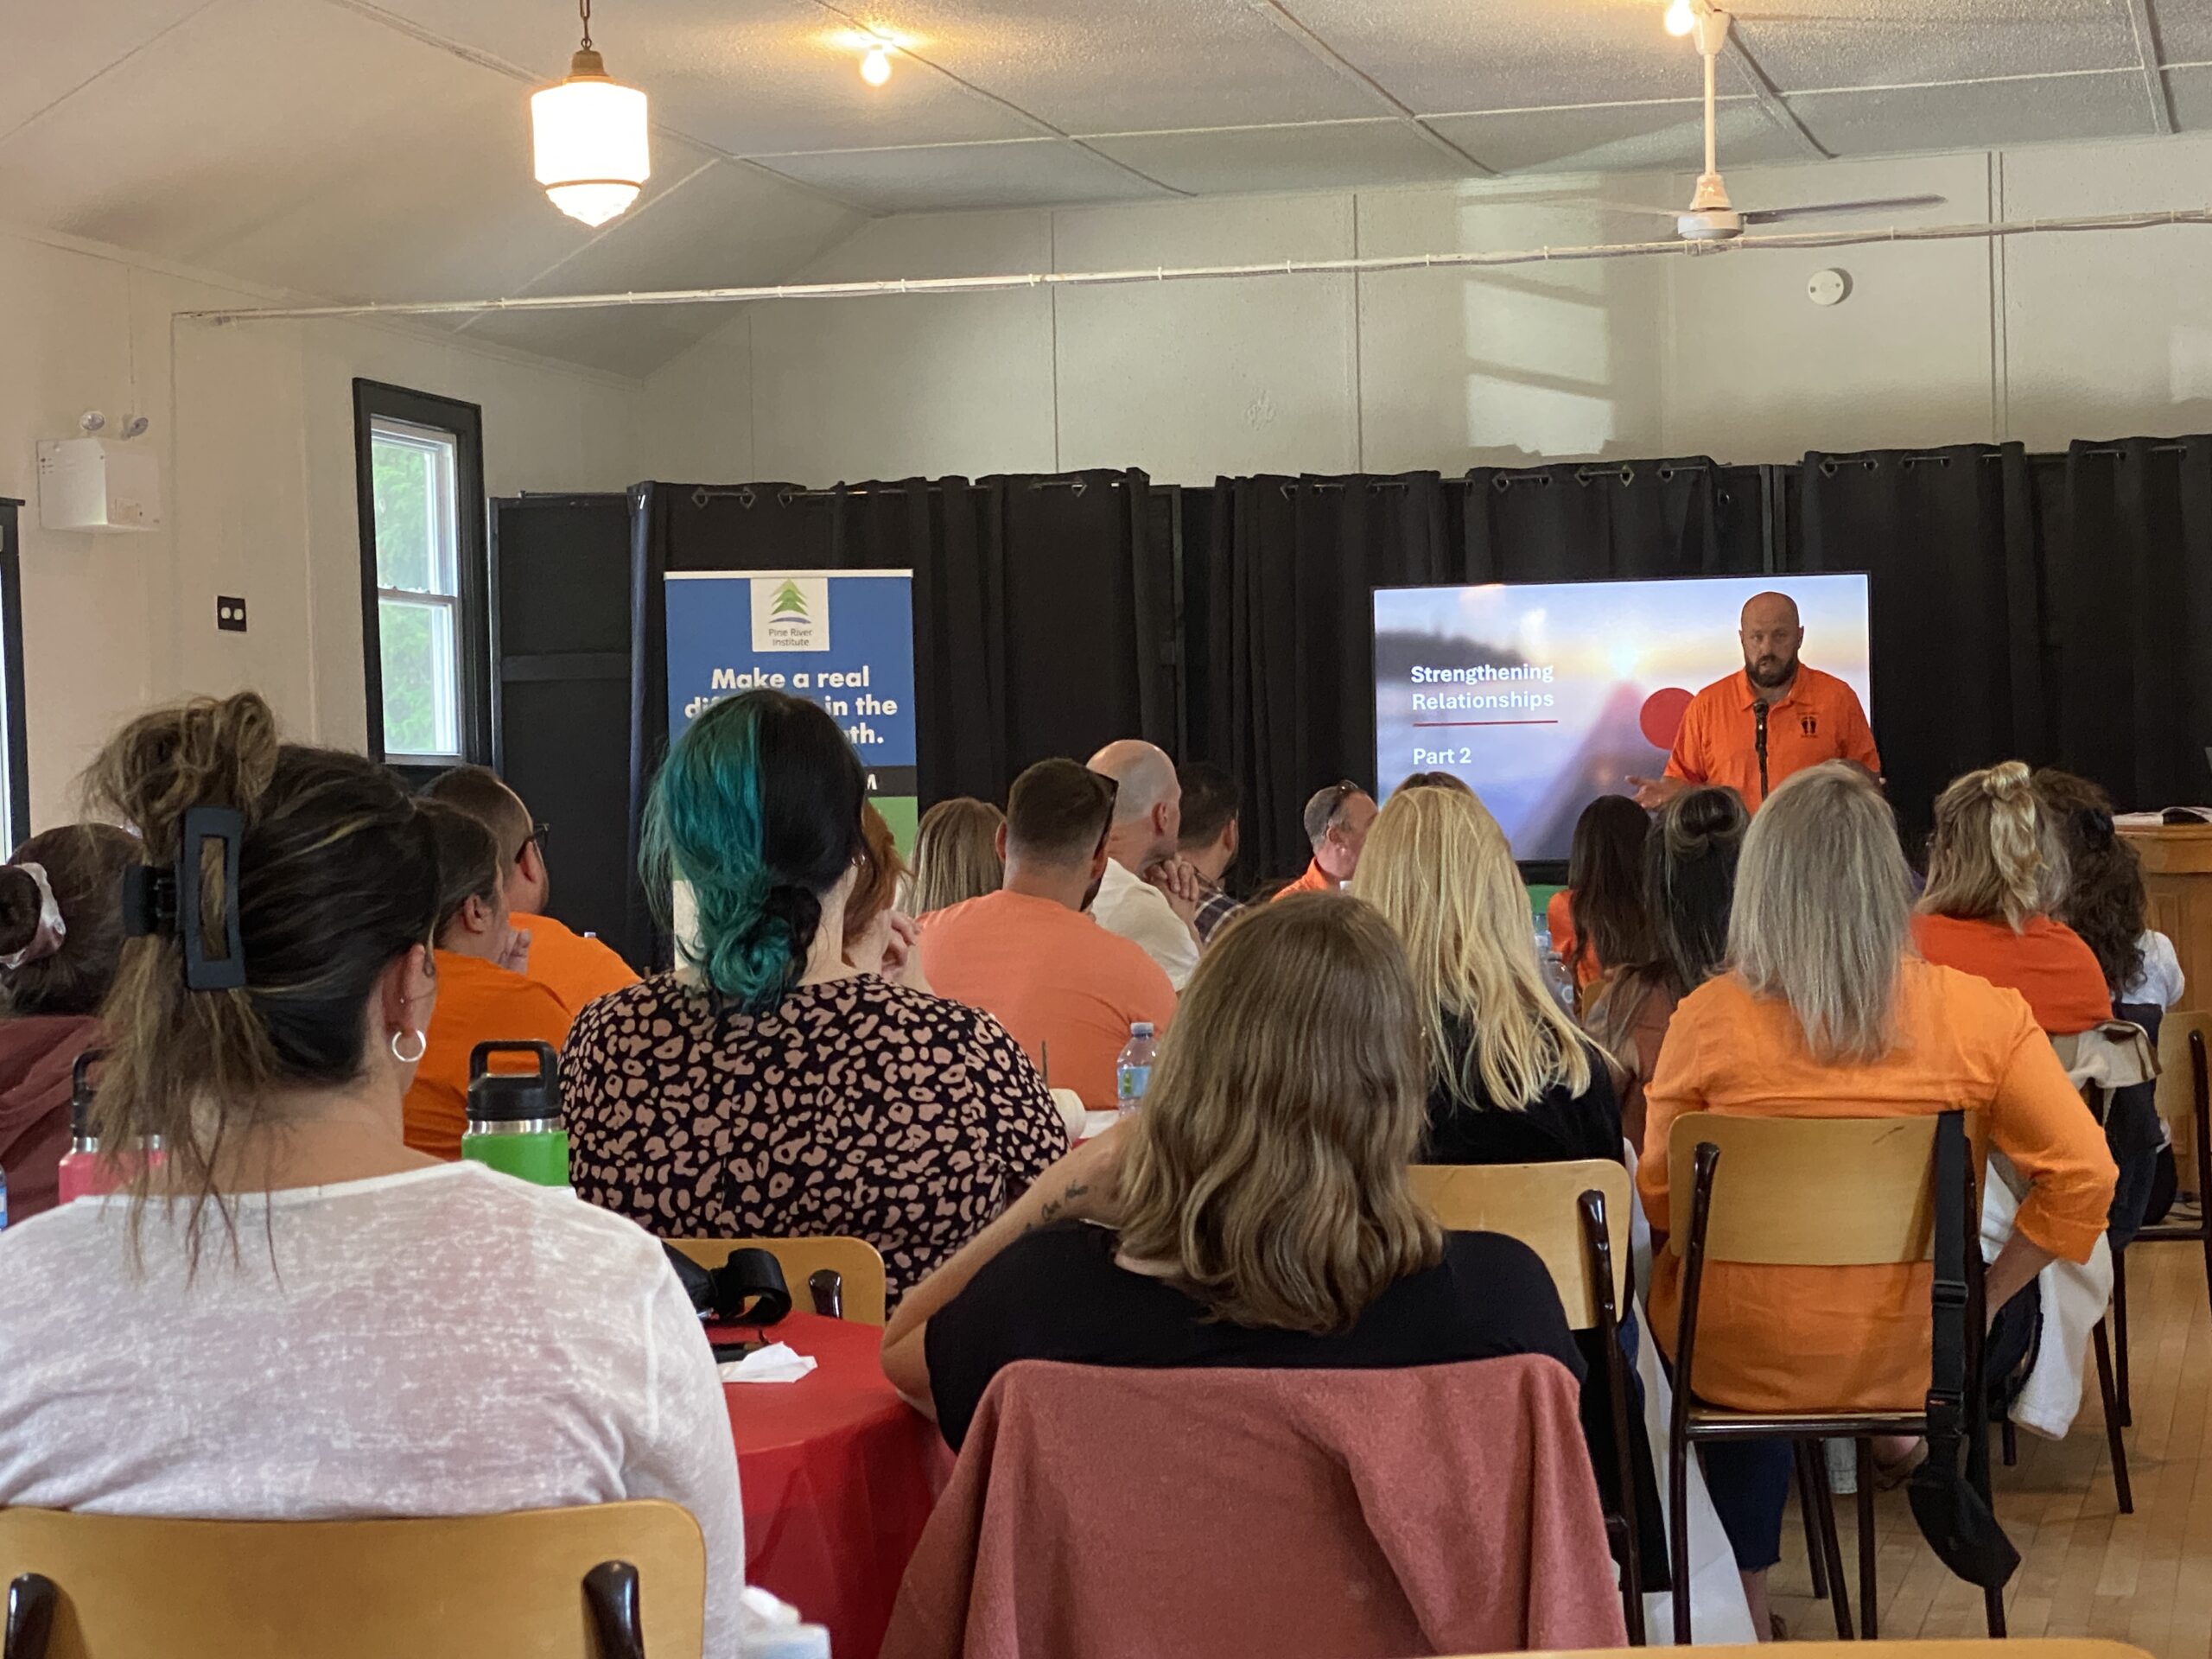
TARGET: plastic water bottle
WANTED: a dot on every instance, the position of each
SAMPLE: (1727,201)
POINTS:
(1554,973)
(1133,1069)
(4,1200)
(514,1117)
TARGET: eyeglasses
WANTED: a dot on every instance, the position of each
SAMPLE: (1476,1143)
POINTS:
(540,834)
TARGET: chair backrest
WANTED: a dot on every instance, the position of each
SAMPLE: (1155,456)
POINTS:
(1539,1204)
(1808,1192)
(854,1259)
(2177,1075)
(446,1587)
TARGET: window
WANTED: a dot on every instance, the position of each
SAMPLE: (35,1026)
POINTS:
(425,638)
(15,770)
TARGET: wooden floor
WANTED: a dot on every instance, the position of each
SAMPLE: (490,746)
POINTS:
(2085,1569)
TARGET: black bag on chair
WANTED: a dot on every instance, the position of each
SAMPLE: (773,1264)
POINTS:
(1953,1507)
(748,1289)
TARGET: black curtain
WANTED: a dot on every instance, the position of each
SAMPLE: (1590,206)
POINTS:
(1292,563)
(2130,577)
(1951,539)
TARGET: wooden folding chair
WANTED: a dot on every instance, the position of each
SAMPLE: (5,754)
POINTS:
(844,1276)
(1810,1192)
(1564,1213)
(600,1581)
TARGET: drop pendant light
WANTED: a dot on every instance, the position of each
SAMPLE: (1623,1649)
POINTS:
(589,138)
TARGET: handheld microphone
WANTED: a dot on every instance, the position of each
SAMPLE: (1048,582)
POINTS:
(1759,740)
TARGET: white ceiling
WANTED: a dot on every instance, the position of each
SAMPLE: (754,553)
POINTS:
(379,149)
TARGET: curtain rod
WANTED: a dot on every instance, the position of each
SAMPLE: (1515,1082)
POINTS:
(1671,245)
(747,494)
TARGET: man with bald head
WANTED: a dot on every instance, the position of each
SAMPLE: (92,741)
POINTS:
(1777,716)
(1148,893)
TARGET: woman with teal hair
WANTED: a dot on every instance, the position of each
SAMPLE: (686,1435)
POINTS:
(766,1087)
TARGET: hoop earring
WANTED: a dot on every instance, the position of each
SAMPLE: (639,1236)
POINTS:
(422,1047)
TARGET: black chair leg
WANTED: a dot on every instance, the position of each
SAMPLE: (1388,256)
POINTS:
(1869,1623)
(1992,1611)
(2103,1347)
(31,1601)
(2011,1440)
(1678,1536)
(1839,1597)
(1809,1512)
(2119,1336)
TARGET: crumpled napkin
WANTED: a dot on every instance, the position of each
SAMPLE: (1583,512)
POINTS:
(778,1362)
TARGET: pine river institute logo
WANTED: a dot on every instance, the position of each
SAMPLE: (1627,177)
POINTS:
(790,612)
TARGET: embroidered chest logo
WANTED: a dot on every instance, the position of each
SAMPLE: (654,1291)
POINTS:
(1809,724)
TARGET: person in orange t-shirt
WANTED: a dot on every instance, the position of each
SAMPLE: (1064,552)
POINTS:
(1772,718)
(1826,1012)
(577,967)
(1995,871)
(1598,921)
(1336,821)
(481,998)
(1030,955)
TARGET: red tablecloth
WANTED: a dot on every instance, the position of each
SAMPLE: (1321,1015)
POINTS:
(839,1475)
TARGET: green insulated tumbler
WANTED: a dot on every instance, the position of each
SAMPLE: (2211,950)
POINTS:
(514,1117)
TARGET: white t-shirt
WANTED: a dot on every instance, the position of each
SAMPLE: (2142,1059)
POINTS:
(445,1341)
(2158,982)
(1132,908)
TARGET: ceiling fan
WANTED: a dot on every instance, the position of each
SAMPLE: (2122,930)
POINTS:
(1712,217)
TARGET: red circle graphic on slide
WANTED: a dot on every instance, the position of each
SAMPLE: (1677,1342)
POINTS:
(1661,716)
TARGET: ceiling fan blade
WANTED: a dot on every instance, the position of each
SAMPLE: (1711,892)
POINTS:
(1635,207)
(1823,209)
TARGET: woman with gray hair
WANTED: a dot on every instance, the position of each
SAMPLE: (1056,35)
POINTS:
(1827,1011)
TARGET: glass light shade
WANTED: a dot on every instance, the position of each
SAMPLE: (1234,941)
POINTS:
(592,148)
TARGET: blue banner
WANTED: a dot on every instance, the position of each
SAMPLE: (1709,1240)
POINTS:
(843,638)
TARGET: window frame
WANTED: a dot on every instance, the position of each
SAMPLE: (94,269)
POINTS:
(464,422)
(15,777)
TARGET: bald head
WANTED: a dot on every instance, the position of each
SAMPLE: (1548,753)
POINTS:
(1771,635)
(1148,804)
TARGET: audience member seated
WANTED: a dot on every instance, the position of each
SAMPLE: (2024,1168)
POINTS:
(1149,894)
(576,967)
(1827,1012)
(1256,1213)
(295,1316)
(1212,831)
(879,938)
(1336,821)
(1598,920)
(60,932)
(767,1087)
(1032,957)
(1689,879)
(1510,1078)
(1434,780)
(2105,904)
(482,995)
(1996,870)
(955,855)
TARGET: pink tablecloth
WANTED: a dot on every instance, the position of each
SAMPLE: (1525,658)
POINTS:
(839,1475)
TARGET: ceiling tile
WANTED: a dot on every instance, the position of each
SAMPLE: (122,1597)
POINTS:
(1507,55)
(632,340)
(2184,30)
(55,58)
(1131,65)
(764,76)
(1805,44)
(2189,93)
(1029,173)
(1617,138)
(1321,156)
(1975,115)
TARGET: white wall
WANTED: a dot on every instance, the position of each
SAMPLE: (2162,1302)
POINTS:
(254,426)
(2039,339)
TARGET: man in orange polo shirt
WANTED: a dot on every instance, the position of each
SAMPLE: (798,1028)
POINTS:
(1774,717)
(1337,821)
(574,966)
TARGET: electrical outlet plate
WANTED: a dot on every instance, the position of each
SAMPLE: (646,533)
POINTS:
(229,612)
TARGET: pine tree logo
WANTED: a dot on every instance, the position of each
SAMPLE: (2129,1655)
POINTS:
(789,601)
(790,611)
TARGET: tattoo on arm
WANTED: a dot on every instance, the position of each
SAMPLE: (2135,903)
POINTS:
(1050,1213)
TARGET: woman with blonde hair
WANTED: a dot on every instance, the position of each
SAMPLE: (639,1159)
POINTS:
(1511,1080)
(1827,1012)
(1996,871)
(955,855)
(1257,1212)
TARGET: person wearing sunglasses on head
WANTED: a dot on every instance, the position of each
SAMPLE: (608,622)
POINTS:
(1336,821)
(576,967)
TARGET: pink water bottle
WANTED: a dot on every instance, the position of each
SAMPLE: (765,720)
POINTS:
(84,1172)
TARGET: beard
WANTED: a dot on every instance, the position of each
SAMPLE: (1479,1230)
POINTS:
(1768,673)
(1091,898)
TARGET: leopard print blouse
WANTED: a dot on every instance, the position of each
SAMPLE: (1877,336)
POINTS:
(855,1107)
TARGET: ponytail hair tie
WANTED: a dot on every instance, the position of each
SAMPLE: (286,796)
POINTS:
(51,929)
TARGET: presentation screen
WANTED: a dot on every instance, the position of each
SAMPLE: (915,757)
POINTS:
(1543,696)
